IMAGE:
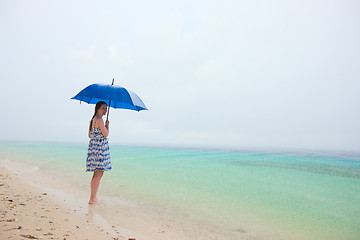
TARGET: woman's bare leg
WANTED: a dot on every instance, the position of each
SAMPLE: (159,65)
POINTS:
(94,186)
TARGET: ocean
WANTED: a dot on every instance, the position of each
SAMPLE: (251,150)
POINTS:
(243,194)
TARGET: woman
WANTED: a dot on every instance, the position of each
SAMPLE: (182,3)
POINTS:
(98,157)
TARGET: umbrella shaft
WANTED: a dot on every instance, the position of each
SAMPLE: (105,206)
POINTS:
(107,117)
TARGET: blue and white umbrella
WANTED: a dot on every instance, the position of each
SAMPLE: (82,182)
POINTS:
(114,96)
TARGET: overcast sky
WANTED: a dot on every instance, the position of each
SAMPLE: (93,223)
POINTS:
(241,74)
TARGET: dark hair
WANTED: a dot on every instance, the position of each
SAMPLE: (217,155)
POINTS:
(97,107)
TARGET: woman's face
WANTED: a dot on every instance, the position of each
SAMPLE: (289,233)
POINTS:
(102,110)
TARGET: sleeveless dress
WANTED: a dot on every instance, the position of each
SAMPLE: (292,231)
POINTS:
(98,156)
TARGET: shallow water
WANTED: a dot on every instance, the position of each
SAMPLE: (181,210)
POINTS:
(280,195)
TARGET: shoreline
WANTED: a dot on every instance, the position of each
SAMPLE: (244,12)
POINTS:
(28,212)
(31,208)
(35,203)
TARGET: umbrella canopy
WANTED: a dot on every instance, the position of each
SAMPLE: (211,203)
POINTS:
(114,96)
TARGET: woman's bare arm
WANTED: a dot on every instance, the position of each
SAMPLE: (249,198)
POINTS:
(89,131)
(104,130)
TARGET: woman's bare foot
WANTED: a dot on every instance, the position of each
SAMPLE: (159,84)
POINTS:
(94,201)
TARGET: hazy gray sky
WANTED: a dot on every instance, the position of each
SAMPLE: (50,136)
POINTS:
(282,74)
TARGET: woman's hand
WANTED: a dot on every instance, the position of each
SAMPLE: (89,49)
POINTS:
(107,124)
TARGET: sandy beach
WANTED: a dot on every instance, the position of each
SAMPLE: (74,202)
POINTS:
(29,213)
(38,206)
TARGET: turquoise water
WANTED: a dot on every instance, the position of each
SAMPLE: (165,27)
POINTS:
(286,195)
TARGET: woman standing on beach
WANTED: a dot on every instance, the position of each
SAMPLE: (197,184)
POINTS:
(98,157)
